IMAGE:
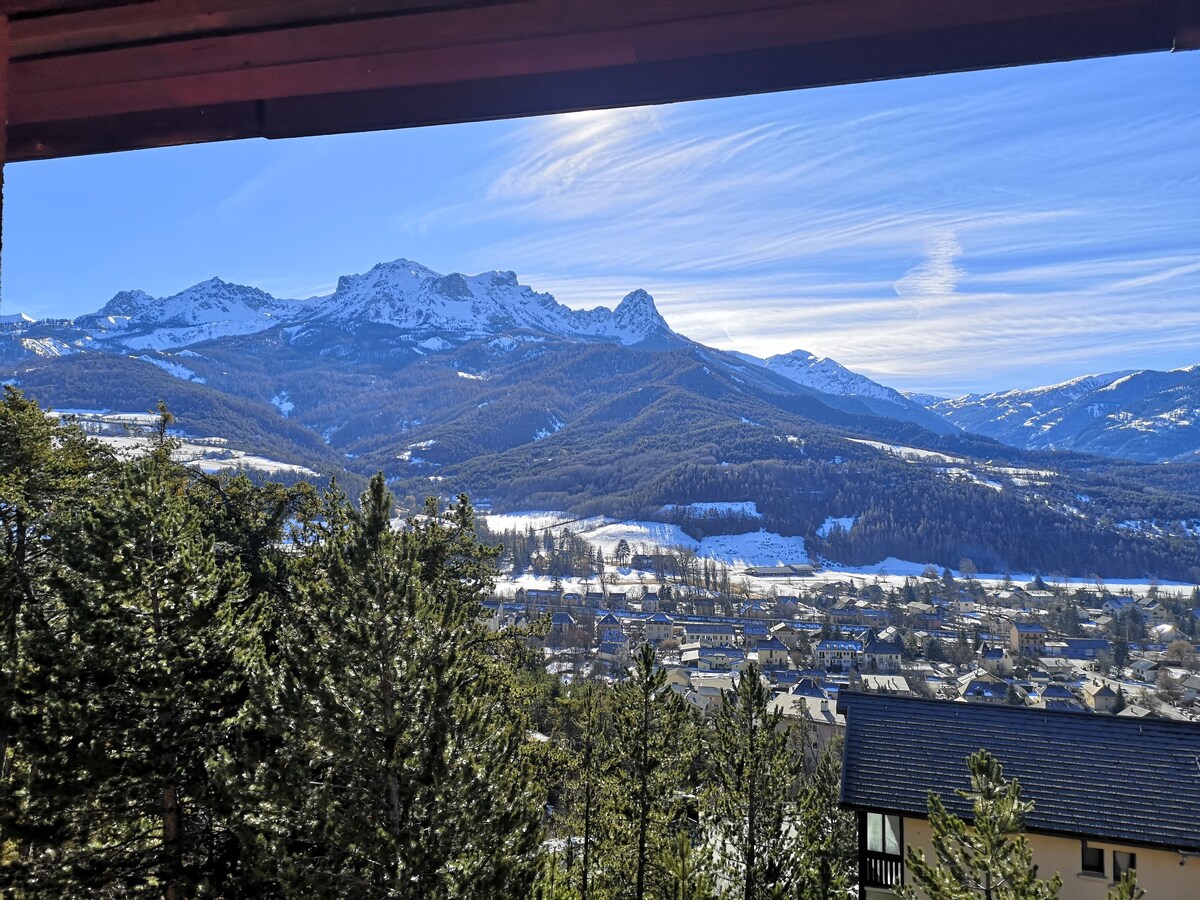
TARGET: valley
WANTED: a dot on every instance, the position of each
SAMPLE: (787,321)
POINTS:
(481,385)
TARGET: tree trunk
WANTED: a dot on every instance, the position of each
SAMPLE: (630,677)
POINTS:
(172,842)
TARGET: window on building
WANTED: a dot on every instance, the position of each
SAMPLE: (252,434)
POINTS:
(883,834)
(1092,861)
(1123,862)
(881,865)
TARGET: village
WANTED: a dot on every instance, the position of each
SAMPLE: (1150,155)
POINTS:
(817,635)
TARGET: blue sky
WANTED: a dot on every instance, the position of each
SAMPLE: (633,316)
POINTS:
(969,232)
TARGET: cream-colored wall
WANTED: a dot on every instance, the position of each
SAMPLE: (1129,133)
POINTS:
(1159,872)
(657,631)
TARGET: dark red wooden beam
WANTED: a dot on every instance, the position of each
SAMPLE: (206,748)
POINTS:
(236,69)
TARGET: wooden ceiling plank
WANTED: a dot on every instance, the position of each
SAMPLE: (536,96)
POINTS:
(367,102)
(47,9)
(176,19)
(709,25)
(839,62)
(137,131)
(513,20)
(421,67)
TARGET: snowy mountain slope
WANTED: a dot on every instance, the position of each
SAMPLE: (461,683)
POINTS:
(830,377)
(398,314)
(401,294)
(827,376)
(1145,415)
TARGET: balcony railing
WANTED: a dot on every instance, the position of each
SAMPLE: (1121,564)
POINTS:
(881,869)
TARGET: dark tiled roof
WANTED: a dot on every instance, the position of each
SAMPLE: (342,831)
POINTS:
(1134,781)
(840,645)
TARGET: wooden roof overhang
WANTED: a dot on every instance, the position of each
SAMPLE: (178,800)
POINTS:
(84,76)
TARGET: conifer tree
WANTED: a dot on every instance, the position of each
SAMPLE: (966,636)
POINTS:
(826,833)
(989,858)
(685,877)
(584,787)
(648,769)
(415,785)
(46,471)
(134,702)
(754,773)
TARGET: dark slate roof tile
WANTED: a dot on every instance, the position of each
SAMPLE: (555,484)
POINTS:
(1134,781)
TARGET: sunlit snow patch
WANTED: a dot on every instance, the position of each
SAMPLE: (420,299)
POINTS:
(836,523)
(173,369)
(909,453)
(758,548)
(281,402)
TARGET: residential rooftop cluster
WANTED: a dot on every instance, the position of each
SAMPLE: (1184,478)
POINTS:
(1035,645)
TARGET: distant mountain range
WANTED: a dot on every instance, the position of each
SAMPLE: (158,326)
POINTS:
(482,384)
(1143,415)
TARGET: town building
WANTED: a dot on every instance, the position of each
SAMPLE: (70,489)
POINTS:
(837,656)
(1109,793)
(1028,639)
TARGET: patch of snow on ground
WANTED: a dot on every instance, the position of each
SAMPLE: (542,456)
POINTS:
(471,377)
(46,346)
(520,521)
(971,476)
(717,510)
(173,369)
(435,344)
(1019,472)
(281,402)
(901,568)
(909,453)
(642,537)
(556,425)
(836,523)
(758,548)
(208,454)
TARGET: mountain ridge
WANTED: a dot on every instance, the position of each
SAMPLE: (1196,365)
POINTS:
(479,384)
(1147,415)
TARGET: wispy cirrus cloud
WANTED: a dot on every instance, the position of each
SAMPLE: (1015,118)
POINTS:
(1001,233)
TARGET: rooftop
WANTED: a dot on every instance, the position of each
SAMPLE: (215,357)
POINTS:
(1133,781)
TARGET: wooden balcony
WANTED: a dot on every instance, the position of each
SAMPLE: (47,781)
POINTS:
(881,869)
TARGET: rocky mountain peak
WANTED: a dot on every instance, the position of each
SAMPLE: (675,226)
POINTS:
(637,314)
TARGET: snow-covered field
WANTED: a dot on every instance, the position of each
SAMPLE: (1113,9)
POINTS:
(910,453)
(128,434)
(759,548)
(642,537)
(173,369)
(836,523)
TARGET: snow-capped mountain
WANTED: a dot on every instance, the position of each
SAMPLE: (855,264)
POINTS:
(829,376)
(1146,415)
(402,294)
(210,309)
(821,373)
(401,312)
